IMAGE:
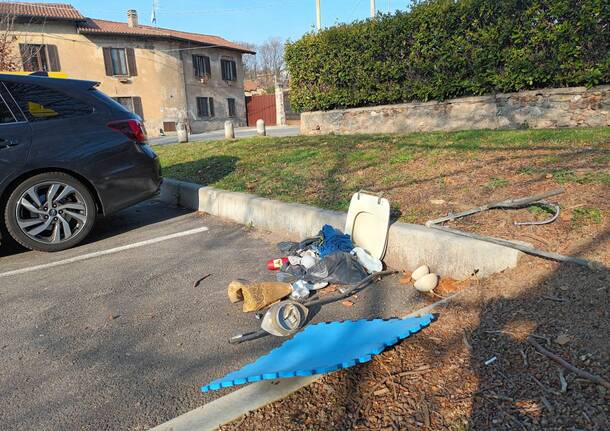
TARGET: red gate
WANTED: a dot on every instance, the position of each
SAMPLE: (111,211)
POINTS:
(261,107)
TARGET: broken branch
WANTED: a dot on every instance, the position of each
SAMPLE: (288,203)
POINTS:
(584,374)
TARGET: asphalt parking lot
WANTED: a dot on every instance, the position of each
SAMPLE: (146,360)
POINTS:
(113,334)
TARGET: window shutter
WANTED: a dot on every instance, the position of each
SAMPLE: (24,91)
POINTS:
(223,69)
(137,106)
(53,58)
(200,107)
(211,106)
(208,68)
(234,71)
(108,61)
(131,62)
(194,65)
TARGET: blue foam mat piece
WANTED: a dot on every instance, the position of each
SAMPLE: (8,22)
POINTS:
(325,347)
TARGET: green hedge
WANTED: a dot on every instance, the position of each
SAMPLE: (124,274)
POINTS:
(450,48)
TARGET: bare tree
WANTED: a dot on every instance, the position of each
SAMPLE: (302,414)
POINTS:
(271,60)
(10,59)
(250,61)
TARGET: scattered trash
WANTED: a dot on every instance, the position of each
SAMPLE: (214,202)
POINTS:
(308,261)
(300,290)
(372,264)
(563,381)
(426,283)
(437,201)
(347,303)
(546,204)
(198,282)
(257,296)
(333,241)
(420,272)
(563,339)
(491,360)
(284,318)
(318,301)
(325,347)
(275,264)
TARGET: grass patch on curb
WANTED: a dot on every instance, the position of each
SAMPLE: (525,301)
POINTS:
(410,169)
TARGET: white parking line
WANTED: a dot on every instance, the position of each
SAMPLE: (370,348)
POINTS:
(104,252)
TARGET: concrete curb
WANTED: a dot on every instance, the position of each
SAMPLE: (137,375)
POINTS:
(409,245)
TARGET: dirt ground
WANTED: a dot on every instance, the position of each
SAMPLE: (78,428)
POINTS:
(473,369)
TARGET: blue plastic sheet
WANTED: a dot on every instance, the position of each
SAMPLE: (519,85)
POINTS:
(325,347)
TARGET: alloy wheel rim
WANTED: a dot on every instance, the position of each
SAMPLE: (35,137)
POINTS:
(51,212)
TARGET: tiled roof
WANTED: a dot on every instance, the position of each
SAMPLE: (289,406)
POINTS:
(41,10)
(99,26)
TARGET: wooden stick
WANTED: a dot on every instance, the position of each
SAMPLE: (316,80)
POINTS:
(596,266)
(584,374)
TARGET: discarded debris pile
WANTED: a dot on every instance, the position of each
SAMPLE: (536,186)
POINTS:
(330,257)
(351,260)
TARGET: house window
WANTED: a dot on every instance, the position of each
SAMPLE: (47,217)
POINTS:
(229,70)
(205,107)
(231,105)
(201,66)
(39,57)
(120,62)
(132,104)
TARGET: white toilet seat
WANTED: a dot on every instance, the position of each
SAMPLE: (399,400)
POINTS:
(368,222)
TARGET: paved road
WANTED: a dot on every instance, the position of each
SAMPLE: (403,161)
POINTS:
(217,135)
(124,340)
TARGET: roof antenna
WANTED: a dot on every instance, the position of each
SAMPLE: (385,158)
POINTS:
(153,15)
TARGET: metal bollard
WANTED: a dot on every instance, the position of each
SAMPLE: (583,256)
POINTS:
(229,130)
(260,128)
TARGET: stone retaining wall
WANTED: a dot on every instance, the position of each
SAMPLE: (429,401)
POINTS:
(547,108)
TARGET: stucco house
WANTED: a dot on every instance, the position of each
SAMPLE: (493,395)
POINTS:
(163,75)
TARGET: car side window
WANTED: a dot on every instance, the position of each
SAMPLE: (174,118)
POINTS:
(6,116)
(40,103)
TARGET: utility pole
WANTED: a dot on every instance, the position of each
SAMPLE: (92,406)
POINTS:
(373,9)
(318,16)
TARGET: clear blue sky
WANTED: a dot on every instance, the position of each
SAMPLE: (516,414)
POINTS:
(242,20)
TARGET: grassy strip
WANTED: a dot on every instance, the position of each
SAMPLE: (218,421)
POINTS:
(324,171)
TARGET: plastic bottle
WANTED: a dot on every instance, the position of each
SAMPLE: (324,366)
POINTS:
(275,264)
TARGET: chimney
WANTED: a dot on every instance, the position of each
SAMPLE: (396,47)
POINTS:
(132,18)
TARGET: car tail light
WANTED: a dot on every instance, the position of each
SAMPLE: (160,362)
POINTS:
(133,129)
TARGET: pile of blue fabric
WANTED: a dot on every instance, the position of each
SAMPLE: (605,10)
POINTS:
(333,241)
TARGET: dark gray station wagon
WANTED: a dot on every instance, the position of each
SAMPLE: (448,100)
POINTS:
(68,153)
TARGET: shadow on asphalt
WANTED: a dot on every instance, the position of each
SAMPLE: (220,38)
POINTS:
(143,214)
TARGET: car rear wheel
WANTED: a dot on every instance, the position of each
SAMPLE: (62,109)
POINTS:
(50,212)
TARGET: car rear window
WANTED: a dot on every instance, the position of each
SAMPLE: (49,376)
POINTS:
(40,103)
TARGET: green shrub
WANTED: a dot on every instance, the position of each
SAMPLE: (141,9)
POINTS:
(449,48)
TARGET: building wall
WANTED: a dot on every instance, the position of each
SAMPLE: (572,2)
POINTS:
(162,67)
(216,88)
(546,108)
